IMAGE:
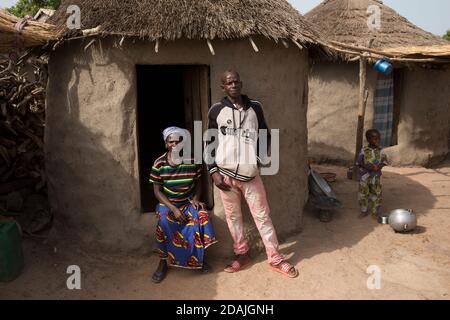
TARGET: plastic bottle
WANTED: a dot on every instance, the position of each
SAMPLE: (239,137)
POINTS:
(11,254)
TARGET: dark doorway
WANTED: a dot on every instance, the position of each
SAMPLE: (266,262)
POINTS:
(168,95)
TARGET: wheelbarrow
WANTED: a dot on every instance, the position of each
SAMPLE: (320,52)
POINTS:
(322,197)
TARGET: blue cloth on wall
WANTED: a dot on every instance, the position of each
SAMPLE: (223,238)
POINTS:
(384,107)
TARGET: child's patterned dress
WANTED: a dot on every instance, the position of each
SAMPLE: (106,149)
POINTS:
(370,181)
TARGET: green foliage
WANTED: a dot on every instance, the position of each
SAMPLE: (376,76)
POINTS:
(31,7)
(447,35)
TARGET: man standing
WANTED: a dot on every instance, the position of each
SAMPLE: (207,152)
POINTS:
(235,171)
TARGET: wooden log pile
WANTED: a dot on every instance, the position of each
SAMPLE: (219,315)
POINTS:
(22,122)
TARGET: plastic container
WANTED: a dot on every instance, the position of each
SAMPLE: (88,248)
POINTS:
(11,254)
(383,66)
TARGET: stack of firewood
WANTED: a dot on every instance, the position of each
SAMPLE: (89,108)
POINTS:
(22,120)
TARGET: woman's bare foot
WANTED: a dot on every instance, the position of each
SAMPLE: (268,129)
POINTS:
(160,272)
(206,267)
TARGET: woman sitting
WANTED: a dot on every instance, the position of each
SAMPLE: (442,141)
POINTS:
(184,230)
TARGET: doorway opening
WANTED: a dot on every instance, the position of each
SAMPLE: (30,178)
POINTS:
(168,95)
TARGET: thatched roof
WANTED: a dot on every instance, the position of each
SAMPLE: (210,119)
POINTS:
(345,21)
(425,51)
(34,33)
(191,19)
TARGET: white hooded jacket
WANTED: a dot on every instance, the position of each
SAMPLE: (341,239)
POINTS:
(238,132)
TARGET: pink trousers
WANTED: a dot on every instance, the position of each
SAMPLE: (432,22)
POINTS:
(255,196)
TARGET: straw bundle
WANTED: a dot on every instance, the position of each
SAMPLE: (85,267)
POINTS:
(429,51)
(34,33)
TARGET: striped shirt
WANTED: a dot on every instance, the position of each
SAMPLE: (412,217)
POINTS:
(178,182)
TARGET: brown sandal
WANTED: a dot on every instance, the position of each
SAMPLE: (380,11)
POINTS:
(237,265)
(285,268)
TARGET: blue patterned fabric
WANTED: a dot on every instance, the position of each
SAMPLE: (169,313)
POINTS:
(183,245)
(384,107)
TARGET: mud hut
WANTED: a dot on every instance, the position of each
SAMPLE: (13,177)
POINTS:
(137,67)
(410,107)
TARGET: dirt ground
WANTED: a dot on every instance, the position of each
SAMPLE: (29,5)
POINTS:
(332,257)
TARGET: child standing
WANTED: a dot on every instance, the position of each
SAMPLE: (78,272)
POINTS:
(371,161)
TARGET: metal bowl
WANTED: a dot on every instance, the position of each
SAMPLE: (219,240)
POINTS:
(323,185)
(402,220)
(383,219)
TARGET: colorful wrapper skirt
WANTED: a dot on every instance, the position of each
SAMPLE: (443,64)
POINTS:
(183,245)
(370,193)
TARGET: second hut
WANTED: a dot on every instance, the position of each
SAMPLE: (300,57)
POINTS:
(410,106)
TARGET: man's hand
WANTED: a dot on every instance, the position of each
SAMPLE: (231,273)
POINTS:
(218,181)
(179,215)
(197,204)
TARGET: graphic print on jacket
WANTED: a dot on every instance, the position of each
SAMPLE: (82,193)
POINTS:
(237,151)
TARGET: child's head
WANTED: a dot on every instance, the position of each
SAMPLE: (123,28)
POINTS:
(373,137)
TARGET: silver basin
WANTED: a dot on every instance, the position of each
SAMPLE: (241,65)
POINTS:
(403,220)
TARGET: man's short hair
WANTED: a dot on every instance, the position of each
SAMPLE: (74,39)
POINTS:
(227,72)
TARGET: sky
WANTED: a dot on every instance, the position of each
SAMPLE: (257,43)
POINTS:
(430,15)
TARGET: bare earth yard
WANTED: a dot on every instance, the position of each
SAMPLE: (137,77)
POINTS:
(332,257)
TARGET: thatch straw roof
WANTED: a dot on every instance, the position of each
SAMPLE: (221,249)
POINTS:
(34,33)
(426,51)
(191,19)
(345,21)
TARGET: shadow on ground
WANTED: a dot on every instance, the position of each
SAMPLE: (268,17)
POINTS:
(347,229)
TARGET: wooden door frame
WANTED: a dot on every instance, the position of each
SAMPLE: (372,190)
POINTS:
(197,92)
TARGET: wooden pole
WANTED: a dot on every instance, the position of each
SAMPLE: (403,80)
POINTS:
(210,46)
(253,44)
(363,95)
(297,44)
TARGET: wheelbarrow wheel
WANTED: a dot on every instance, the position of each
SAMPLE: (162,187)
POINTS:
(325,215)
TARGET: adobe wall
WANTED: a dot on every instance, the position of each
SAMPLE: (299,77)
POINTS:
(424,128)
(333,110)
